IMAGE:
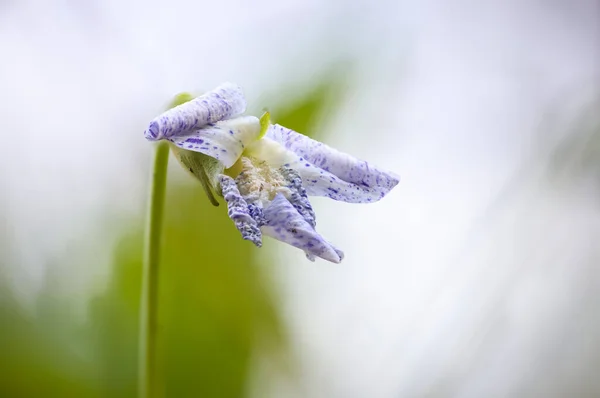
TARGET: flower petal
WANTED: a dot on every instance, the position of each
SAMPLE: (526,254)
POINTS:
(297,196)
(223,140)
(284,223)
(341,165)
(318,182)
(239,212)
(224,102)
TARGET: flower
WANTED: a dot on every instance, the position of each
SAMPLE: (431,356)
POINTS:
(264,171)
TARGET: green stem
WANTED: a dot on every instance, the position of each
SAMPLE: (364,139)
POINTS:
(149,387)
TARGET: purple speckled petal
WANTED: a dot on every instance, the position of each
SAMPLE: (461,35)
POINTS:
(224,141)
(317,181)
(341,165)
(224,102)
(284,223)
(238,211)
(298,197)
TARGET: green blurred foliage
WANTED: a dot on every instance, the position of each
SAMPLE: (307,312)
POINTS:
(214,299)
(35,362)
(316,105)
(218,310)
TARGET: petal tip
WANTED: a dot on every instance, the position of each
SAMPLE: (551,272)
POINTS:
(394,180)
(335,256)
(151,132)
(391,180)
(336,260)
(256,242)
(340,254)
(328,252)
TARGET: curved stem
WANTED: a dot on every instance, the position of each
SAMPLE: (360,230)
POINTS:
(149,387)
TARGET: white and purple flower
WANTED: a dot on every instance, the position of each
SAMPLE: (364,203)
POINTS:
(266,172)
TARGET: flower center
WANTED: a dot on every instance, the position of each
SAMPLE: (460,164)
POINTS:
(259,182)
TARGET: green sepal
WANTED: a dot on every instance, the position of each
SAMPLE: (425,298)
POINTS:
(265,122)
(180,98)
(201,166)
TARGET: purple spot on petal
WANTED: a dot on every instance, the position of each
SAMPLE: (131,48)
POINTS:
(153,129)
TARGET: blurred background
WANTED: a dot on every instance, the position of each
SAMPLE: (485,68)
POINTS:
(478,276)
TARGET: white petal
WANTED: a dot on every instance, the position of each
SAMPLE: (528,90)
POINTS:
(224,102)
(224,141)
(341,165)
(317,181)
(284,223)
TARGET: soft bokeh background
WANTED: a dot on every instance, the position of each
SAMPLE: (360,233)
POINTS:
(478,276)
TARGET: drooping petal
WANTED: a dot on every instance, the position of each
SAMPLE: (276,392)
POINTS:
(257,213)
(317,181)
(298,197)
(284,223)
(239,212)
(224,140)
(224,102)
(341,165)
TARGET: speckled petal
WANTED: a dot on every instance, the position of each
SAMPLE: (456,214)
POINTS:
(284,223)
(298,197)
(238,211)
(224,141)
(341,165)
(318,182)
(224,102)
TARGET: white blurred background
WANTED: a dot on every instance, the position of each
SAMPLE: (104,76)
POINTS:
(478,276)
